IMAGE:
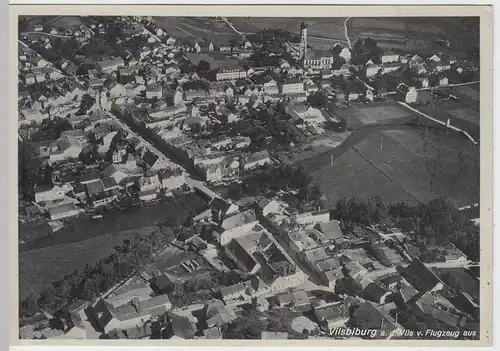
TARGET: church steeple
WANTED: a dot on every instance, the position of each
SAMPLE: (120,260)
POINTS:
(303,41)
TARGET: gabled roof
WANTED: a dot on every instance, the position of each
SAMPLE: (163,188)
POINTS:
(239,220)
(368,316)
(62,209)
(150,158)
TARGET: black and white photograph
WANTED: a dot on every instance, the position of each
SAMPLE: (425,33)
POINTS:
(268,178)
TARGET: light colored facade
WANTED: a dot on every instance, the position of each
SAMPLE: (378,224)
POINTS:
(231,74)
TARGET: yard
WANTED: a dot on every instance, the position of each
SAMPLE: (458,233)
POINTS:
(404,166)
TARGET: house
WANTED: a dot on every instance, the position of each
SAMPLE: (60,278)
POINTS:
(406,94)
(292,86)
(390,67)
(143,331)
(219,315)
(267,207)
(345,54)
(331,317)
(304,113)
(375,293)
(344,70)
(147,195)
(184,325)
(393,282)
(172,178)
(151,182)
(331,230)
(162,284)
(44,193)
(233,292)
(321,216)
(372,70)
(136,312)
(154,91)
(421,277)
(389,57)
(154,162)
(63,211)
(406,293)
(403,59)
(435,58)
(110,64)
(443,81)
(369,316)
(235,226)
(416,61)
(330,278)
(256,160)
(222,209)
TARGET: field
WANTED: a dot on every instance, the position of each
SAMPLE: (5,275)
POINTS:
(196,29)
(216,60)
(359,116)
(320,27)
(63,22)
(404,166)
(463,113)
(39,268)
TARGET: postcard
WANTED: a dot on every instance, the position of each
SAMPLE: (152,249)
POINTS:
(290,175)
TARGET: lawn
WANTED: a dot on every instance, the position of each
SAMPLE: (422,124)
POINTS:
(216,60)
(39,268)
(404,166)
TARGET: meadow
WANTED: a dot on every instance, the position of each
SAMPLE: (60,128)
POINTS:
(403,165)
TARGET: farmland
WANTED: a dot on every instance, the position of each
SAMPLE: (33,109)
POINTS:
(403,165)
(463,113)
(196,29)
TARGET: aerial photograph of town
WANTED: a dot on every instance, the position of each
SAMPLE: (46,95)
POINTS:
(248,178)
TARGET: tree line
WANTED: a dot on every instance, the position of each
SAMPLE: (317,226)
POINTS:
(438,222)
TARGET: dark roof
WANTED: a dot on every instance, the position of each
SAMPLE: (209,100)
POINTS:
(139,331)
(241,255)
(219,204)
(150,158)
(95,188)
(368,316)
(373,292)
(391,279)
(162,282)
(108,182)
(422,276)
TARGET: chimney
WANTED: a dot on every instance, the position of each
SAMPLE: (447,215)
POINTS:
(136,303)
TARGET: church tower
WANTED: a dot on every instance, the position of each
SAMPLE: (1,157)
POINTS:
(303,41)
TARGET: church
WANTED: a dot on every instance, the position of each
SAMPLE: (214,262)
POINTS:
(313,58)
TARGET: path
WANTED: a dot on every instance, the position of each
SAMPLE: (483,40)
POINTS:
(346,33)
(448,125)
(49,34)
(230,25)
(441,86)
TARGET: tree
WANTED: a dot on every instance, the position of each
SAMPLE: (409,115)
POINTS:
(48,298)
(186,67)
(203,66)
(318,99)
(30,305)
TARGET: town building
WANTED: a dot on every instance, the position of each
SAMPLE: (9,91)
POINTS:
(231,74)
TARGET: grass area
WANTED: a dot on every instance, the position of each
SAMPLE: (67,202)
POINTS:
(384,113)
(332,27)
(215,59)
(196,29)
(39,268)
(410,167)
(463,113)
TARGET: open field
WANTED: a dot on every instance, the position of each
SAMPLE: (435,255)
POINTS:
(40,268)
(405,166)
(215,59)
(196,29)
(321,27)
(358,115)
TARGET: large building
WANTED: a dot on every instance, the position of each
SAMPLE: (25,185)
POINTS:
(231,74)
(318,59)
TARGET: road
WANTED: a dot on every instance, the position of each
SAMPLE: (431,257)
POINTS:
(233,28)
(346,33)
